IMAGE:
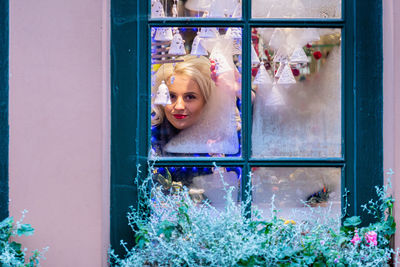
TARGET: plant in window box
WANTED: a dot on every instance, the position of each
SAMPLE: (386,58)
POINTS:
(180,232)
(11,252)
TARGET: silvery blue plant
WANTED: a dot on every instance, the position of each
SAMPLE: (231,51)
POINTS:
(172,230)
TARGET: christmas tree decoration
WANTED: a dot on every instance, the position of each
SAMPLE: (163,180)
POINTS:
(197,48)
(279,71)
(221,54)
(262,76)
(237,12)
(174,10)
(254,58)
(287,76)
(236,35)
(177,45)
(157,10)
(278,39)
(218,9)
(198,5)
(280,56)
(162,97)
(208,33)
(299,56)
(275,97)
(163,34)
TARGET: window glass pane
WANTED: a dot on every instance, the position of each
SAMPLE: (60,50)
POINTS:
(297,88)
(196,8)
(296,9)
(297,191)
(203,183)
(196,90)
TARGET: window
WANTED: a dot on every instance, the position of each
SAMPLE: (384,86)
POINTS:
(318,122)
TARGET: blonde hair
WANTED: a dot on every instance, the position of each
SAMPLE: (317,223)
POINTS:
(198,68)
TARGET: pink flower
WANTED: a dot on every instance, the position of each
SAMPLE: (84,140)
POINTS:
(371,238)
(356,238)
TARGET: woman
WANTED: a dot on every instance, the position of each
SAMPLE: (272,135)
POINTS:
(201,118)
(200,121)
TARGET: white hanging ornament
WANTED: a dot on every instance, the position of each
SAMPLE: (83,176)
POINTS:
(299,56)
(174,10)
(280,56)
(287,76)
(275,97)
(262,76)
(163,34)
(222,64)
(236,35)
(197,48)
(157,10)
(254,58)
(162,97)
(237,13)
(218,9)
(280,70)
(177,45)
(208,33)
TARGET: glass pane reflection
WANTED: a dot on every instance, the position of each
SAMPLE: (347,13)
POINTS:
(290,9)
(296,188)
(196,89)
(297,84)
(196,8)
(203,183)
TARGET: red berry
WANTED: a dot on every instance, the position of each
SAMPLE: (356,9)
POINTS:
(295,72)
(308,45)
(317,55)
(254,72)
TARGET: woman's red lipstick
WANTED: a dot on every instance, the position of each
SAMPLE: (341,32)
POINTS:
(179,116)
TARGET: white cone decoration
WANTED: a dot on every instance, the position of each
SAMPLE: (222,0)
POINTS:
(254,58)
(162,97)
(217,9)
(177,45)
(197,48)
(174,11)
(157,10)
(236,35)
(299,56)
(280,56)
(278,38)
(163,34)
(208,33)
(222,64)
(262,76)
(275,98)
(279,71)
(237,13)
(310,35)
(287,76)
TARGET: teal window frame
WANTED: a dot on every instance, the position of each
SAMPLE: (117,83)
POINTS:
(362,102)
(4,128)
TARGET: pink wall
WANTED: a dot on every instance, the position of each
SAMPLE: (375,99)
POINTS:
(391,84)
(59,126)
(59,123)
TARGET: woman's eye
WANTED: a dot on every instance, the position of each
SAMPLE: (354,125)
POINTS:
(172,96)
(191,97)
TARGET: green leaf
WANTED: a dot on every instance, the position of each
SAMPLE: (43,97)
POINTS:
(352,221)
(25,229)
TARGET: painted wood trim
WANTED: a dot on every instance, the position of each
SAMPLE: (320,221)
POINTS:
(4,89)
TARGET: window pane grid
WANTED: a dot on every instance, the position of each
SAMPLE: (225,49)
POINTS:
(246,162)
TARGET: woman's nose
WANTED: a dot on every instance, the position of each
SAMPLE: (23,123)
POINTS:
(179,104)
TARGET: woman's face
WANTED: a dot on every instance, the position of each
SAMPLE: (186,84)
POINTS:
(187,102)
